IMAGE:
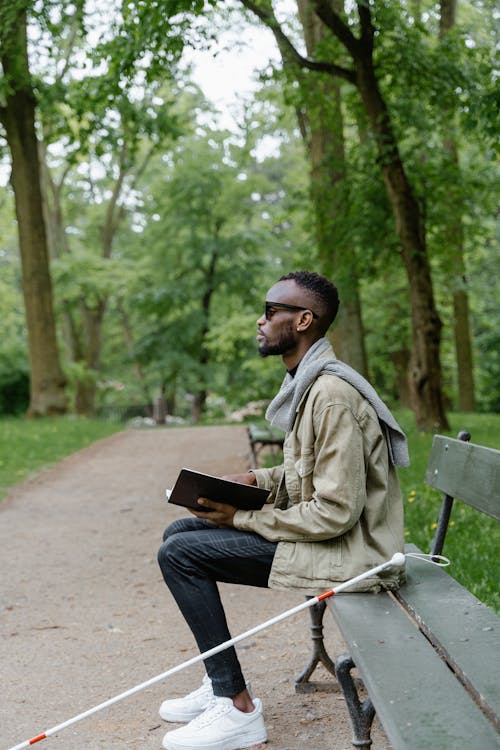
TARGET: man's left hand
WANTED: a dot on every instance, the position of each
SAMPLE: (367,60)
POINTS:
(221,514)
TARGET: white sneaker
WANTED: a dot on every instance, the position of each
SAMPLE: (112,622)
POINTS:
(220,727)
(190,706)
(193,704)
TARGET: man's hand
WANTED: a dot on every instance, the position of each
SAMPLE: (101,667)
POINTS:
(221,514)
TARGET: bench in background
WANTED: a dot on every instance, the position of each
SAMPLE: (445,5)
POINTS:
(428,654)
(261,436)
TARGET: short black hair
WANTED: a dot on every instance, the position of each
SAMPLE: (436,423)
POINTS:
(323,290)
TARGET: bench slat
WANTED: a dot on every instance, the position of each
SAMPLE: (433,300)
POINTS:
(466,471)
(419,701)
(461,627)
(265,434)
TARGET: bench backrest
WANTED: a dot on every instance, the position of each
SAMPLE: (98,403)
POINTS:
(464,471)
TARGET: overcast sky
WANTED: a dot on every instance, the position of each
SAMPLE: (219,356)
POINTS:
(227,73)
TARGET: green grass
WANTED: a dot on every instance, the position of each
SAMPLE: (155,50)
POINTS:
(28,445)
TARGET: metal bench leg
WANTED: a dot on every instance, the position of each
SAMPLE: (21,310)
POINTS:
(319,655)
(361,712)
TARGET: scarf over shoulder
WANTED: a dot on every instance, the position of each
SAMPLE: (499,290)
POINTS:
(282,410)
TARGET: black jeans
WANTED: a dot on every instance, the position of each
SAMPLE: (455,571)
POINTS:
(193,557)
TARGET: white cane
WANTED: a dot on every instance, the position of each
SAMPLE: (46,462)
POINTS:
(397,561)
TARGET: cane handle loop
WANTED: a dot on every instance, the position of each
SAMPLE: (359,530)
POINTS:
(440,560)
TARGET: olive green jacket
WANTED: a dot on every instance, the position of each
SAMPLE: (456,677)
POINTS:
(336,504)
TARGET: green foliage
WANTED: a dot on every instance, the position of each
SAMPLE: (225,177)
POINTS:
(83,275)
(14,373)
(485,286)
(14,388)
(387,327)
(119,109)
(218,225)
(28,445)
(145,38)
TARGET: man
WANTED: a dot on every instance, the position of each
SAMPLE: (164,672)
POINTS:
(336,512)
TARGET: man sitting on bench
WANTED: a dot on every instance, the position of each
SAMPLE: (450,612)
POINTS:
(337,509)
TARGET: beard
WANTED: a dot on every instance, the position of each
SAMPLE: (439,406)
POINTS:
(285,343)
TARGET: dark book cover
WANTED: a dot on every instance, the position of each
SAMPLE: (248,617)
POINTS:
(190,485)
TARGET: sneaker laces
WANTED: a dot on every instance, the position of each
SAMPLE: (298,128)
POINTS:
(215,709)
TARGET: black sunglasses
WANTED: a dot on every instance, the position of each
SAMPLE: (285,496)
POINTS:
(271,308)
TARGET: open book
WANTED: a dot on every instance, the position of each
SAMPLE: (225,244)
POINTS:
(190,485)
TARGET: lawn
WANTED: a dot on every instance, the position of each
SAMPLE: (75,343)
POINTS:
(28,445)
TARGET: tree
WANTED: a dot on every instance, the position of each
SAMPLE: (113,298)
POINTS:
(320,117)
(218,225)
(111,122)
(120,149)
(17,115)
(453,217)
(425,369)
(203,249)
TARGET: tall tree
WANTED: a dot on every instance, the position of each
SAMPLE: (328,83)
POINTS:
(425,376)
(454,231)
(322,127)
(111,121)
(17,115)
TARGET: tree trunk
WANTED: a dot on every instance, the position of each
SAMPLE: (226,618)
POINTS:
(425,368)
(86,387)
(81,328)
(348,335)
(84,339)
(93,317)
(200,397)
(199,402)
(323,132)
(463,349)
(47,381)
(138,370)
(400,360)
(454,233)
(52,206)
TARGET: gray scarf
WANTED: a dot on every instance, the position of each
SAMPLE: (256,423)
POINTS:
(282,410)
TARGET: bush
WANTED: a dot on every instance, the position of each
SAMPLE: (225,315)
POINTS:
(14,392)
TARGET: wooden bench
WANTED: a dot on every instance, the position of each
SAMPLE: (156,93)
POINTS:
(260,436)
(427,655)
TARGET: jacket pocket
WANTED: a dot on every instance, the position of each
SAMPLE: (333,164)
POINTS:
(304,469)
(314,562)
(305,465)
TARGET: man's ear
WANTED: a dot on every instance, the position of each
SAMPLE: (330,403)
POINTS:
(305,321)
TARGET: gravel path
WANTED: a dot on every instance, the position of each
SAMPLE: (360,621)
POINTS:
(85,615)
